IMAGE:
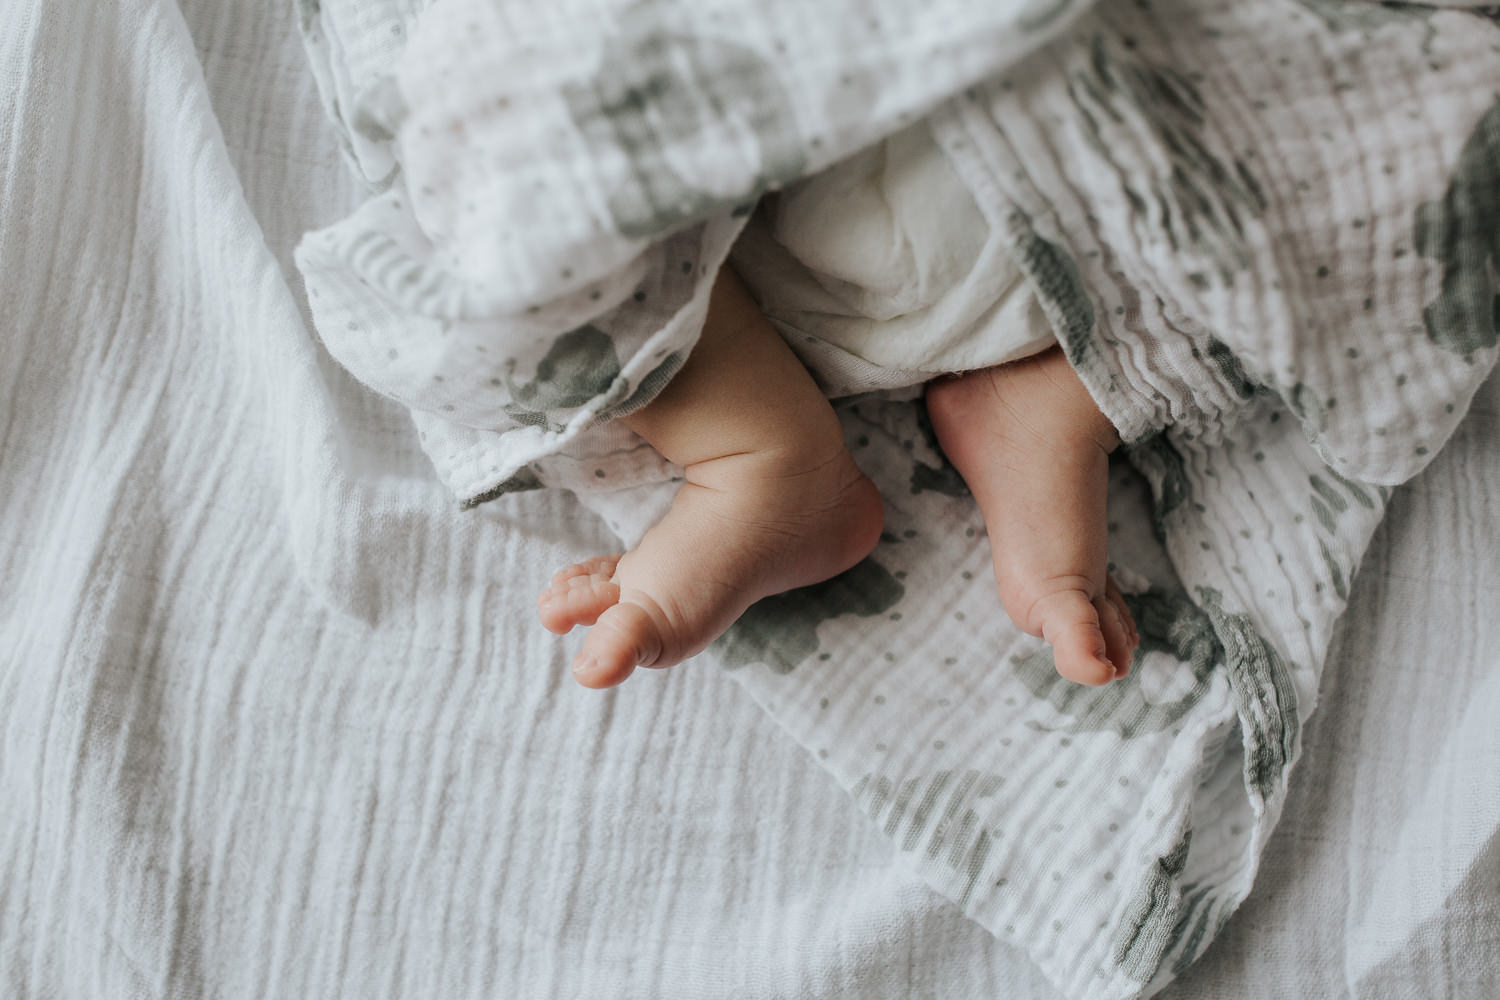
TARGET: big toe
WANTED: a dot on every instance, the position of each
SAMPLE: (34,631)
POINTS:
(624,637)
(1071,625)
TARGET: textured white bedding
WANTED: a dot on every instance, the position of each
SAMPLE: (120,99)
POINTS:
(275,719)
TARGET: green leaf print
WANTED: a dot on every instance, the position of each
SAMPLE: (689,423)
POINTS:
(1146,933)
(658,90)
(1168,622)
(1266,699)
(1331,496)
(1162,465)
(941,478)
(523,480)
(935,814)
(1058,286)
(782,631)
(1201,195)
(1462,233)
(580,365)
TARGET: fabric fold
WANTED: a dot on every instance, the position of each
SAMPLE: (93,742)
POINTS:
(559,185)
(1206,224)
(1263,233)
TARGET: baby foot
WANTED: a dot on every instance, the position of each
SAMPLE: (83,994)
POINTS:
(743,527)
(1034,450)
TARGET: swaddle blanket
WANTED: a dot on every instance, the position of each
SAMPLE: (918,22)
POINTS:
(1266,234)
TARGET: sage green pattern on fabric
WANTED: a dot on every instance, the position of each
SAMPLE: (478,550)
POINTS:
(1232,371)
(1357,15)
(782,631)
(1263,688)
(1169,623)
(657,88)
(1146,935)
(1189,214)
(535,162)
(1058,286)
(1162,463)
(1308,407)
(914,813)
(1196,925)
(523,480)
(1462,233)
(655,381)
(580,365)
(1332,495)
(1199,199)
(940,476)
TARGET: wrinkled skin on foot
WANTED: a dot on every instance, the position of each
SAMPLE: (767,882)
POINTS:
(772,501)
(740,529)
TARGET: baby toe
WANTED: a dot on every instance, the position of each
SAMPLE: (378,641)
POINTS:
(1070,623)
(1117,634)
(576,600)
(623,638)
(597,566)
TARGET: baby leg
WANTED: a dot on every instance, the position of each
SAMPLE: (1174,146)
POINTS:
(772,501)
(1034,450)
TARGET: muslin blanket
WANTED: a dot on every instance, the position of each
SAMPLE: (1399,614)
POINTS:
(1266,234)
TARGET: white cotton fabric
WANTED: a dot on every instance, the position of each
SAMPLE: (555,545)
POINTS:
(520,191)
(275,719)
(1274,277)
(883,273)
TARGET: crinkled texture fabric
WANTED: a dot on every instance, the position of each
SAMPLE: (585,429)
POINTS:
(1219,203)
(275,721)
(1265,235)
(558,184)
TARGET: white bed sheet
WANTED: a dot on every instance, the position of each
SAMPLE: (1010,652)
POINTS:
(275,719)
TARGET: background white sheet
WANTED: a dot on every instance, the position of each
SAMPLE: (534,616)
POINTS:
(275,719)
